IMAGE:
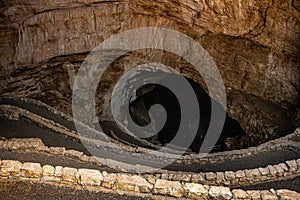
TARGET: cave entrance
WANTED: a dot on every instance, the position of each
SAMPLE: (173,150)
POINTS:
(151,94)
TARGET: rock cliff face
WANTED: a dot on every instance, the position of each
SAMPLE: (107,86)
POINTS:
(255,44)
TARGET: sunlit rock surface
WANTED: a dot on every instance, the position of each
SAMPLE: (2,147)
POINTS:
(255,44)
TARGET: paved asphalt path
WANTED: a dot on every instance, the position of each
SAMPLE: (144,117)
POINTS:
(19,129)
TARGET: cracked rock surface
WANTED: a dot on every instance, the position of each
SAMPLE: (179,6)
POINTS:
(254,43)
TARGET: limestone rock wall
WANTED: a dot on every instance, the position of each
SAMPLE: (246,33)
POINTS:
(255,44)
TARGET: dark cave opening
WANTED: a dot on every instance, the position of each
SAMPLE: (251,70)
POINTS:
(151,94)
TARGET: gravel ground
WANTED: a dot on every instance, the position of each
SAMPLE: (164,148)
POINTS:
(38,191)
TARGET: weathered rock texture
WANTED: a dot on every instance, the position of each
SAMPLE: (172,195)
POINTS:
(255,44)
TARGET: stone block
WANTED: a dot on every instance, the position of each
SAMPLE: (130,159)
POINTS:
(279,170)
(109,180)
(284,167)
(133,183)
(10,144)
(198,178)
(255,173)
(292,165)
(298,162)
(196,191)
(210,176)
(239,194)
(32,170)
(240,174)
(43,148)
(36,143)
(85,158)
(70,175)
(164,175)
(254,194)
(229,175)
(172,188)
(10,168)
(272,170)
(264,171)
(220,177)
(219,193)
(4,145)
(73,153)
(13,145)
(248,174)
(57,150)
(58,171)
(180,177)
(288,195)
(48,170)
(267,195)
(90,177)
(150,178)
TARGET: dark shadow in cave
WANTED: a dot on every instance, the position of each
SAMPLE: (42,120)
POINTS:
(151,94)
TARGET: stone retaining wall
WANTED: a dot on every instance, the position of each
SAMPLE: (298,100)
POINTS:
(34,172)
(12,112)
(244,177)
(209,185)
